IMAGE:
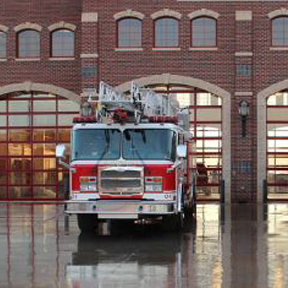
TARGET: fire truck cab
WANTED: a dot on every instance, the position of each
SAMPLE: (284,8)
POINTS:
(133,165)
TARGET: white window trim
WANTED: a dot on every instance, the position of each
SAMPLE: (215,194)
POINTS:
(203,48)
(166,49)
(128,14)
(276,13)
(62,58)
(166,13)
(128,49)
(27,59)
(203,13)
(28,26)
(278,48)
(4,28)
(62,25)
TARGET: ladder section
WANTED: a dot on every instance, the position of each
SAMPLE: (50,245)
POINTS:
(142,102)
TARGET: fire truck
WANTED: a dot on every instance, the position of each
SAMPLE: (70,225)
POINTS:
(130,160)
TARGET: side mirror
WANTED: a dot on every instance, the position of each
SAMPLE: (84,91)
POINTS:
(60,155)
(60,151)
(182,151)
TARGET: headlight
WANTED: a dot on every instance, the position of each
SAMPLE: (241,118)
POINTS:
(88,184)
(153,188)
(153,184)
(88,187)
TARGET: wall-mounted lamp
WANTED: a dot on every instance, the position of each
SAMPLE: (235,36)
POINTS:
(86,109)
(244,110)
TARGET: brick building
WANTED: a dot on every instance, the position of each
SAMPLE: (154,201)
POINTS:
(211,55)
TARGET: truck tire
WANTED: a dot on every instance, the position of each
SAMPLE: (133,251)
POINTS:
(190,208)
(87,223)
(172,223)
(190,211)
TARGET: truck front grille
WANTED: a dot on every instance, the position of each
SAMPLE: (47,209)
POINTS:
(121,181)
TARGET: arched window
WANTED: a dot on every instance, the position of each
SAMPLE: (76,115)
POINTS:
(203,32)
(129,33)
(62,43)
(3,40)
(280,31)
(166,32)
(28,44)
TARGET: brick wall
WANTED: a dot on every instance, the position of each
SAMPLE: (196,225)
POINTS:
(217,67)
(65,74)
(115,67)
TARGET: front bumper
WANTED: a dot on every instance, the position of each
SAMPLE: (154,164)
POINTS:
(121,209)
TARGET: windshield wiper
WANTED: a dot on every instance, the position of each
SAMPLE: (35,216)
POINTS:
(129,137)
(136,150)
(107,138)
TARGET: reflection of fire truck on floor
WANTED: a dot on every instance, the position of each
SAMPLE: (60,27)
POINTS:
(147,258)
(130,160)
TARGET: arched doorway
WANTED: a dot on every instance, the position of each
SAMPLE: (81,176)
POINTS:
(209,108)
(277,145)
(272,141)
(31,125)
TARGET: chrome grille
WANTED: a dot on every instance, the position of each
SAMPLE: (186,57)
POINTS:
(121,174)
(121,181)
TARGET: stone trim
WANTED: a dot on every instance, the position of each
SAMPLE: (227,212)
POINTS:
(243,93)
(262,132)
(278,48)
(166,49)
(61,58)
(48,88)
(128,49)
(4,28)
(243,15)
(89,17)
(203,48)
(3,60)
(26,59)
(193,82)
(28,25)
(166,13)
(84,56)
(244,54)
(62,25)
(203,12)
(280,12)
(128,13)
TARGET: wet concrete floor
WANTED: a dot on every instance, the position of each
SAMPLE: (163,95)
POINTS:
(232,246)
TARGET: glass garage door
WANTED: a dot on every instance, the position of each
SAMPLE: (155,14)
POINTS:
(277,145)
(31,125)
(205,113)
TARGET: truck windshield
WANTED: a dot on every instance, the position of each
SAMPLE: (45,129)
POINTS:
(96,144)
(151,144)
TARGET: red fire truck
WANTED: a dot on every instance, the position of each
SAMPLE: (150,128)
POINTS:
(130,160)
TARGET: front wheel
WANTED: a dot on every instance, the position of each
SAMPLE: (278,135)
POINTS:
(190,208)
(87,223)
(173,222)
(190,211)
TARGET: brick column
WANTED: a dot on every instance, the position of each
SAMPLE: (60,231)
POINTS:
(243,148)
(89,50)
